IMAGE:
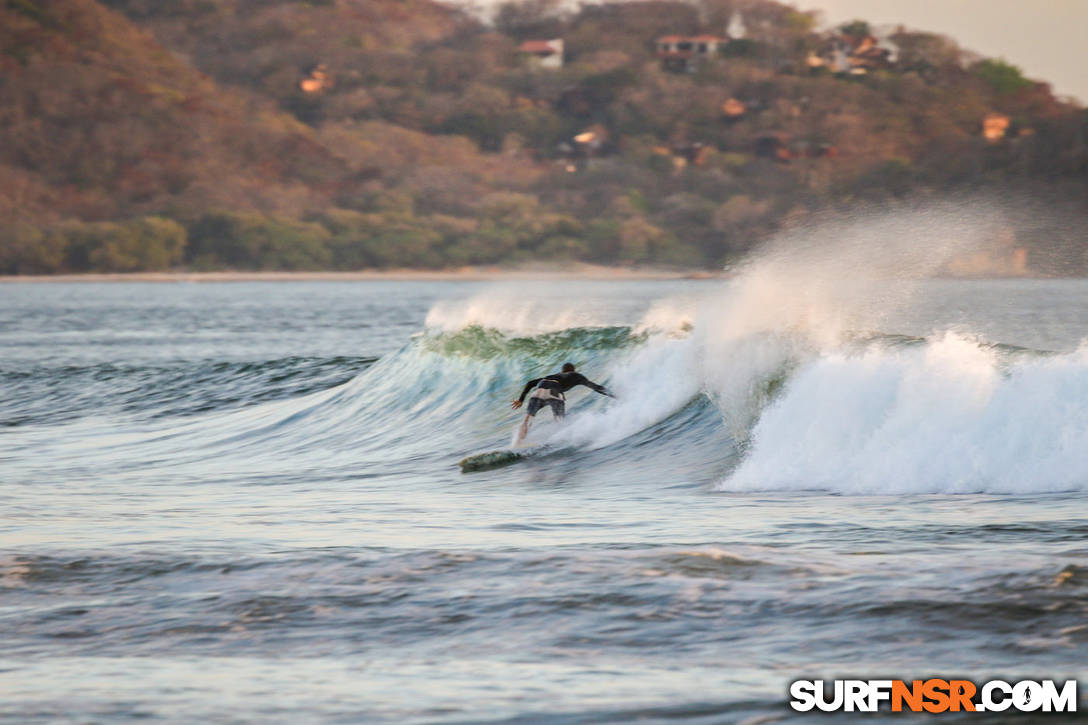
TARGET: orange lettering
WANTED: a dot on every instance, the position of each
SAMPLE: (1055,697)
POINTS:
(912,695)
(936,691)
(961,692)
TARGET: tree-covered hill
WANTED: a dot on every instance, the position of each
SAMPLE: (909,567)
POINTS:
(256,134)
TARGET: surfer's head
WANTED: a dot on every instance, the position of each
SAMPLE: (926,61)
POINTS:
(568,367)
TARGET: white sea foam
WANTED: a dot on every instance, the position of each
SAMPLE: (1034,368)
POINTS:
(942,418)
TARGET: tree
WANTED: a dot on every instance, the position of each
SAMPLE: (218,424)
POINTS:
(639,240)
(1002,77)
(254,241)
(525,18)
(25,249)
(927,51)
(856,29)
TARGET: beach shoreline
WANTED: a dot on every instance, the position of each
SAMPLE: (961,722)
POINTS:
(464,274)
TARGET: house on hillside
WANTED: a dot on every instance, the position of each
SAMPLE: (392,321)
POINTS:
(734,109)
(318,80)
(995,126)
(682,53)
(867,52)
(845,54)
(576,153)
(781,147)
(542,54)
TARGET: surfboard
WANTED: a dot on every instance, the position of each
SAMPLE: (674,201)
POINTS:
(498,459)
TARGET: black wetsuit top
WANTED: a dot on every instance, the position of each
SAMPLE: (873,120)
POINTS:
(561,383)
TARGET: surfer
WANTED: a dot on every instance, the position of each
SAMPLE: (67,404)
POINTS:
(548,391)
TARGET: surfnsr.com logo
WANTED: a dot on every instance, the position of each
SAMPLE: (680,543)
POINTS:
(933,695)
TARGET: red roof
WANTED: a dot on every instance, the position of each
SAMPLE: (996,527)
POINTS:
(671,39)
(543,47)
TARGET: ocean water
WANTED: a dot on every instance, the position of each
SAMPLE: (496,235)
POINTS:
(240,502)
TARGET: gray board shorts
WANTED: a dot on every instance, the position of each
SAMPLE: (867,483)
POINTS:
(543,397)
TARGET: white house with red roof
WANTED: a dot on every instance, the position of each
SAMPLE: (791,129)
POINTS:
(545,54)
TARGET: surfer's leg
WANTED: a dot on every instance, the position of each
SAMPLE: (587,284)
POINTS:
(524,430)
(535,404)
(559,409)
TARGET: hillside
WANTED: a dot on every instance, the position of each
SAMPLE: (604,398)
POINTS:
(367,133)
(103,122)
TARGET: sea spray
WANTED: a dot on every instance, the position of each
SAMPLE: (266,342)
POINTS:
(528,308)
(813,287)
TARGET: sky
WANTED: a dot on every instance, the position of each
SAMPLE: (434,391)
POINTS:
(1048,39)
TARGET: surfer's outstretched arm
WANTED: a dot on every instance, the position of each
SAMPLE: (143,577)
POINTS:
(525,391)
(595,387)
